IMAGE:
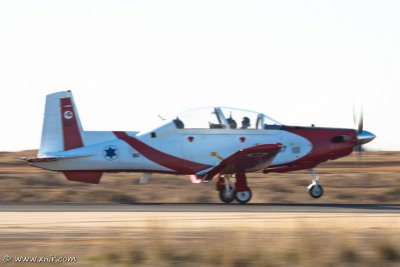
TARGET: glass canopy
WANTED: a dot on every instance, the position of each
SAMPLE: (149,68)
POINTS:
(223,118)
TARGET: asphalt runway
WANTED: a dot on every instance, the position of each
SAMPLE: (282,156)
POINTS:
(191,207)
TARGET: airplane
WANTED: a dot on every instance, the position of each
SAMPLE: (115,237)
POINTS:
(207,143)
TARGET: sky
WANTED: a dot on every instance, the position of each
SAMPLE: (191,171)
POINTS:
(299,62)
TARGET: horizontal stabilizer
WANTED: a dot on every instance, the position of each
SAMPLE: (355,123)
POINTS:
(51,158)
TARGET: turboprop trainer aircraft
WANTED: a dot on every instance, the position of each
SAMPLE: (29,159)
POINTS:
(208,143)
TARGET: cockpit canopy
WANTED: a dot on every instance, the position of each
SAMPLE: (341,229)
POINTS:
(223,118)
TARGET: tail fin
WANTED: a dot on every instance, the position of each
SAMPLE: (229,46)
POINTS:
(62,129)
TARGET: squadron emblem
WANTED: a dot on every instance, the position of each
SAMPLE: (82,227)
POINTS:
(68,114)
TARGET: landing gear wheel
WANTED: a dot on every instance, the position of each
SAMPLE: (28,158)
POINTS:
(227,194)
(315,190)
(244,196)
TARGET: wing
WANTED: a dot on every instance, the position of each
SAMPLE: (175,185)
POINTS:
(245,160)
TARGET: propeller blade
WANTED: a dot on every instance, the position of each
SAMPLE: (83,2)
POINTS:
(361,121)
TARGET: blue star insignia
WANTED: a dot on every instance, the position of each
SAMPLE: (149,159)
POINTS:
(110,153)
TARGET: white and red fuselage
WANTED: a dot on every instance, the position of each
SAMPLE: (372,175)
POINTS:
(205,143)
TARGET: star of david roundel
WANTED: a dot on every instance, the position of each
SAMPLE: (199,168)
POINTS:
(110,152)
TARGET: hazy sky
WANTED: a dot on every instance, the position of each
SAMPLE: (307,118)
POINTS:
(300,62)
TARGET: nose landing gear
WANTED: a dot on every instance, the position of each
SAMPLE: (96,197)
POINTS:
(315,189)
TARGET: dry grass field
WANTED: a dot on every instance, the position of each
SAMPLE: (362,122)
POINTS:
(233,239)
(372,178)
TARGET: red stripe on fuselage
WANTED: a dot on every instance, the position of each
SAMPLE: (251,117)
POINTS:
(71,135)
(178,164)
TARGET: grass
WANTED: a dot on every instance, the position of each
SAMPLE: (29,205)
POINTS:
(299,247)
(277,240)
(304,245)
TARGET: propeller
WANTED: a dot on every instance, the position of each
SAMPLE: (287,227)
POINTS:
(359,122)
(363,137)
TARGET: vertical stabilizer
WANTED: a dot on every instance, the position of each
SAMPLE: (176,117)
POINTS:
(62,129)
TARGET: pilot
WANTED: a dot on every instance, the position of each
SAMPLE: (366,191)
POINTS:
(178,123)
(231,122)
(245,123)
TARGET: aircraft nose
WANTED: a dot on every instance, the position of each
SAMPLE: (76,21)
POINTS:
(364,137)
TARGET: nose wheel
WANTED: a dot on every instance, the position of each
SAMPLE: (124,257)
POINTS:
(315,189)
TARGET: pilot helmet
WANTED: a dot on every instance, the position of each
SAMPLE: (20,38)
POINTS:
(246,121)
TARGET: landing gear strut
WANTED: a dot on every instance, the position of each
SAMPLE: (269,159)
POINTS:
(243,193)
(315,189)
(227,192)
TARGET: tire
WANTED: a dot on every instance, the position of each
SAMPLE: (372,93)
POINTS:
(315,190)
(243,197)
(225,197)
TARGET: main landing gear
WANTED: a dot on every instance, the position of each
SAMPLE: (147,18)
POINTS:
(229,192)
(315,189)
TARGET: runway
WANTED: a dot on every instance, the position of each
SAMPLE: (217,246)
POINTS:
(17,220)
(191,207)
(82,219)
